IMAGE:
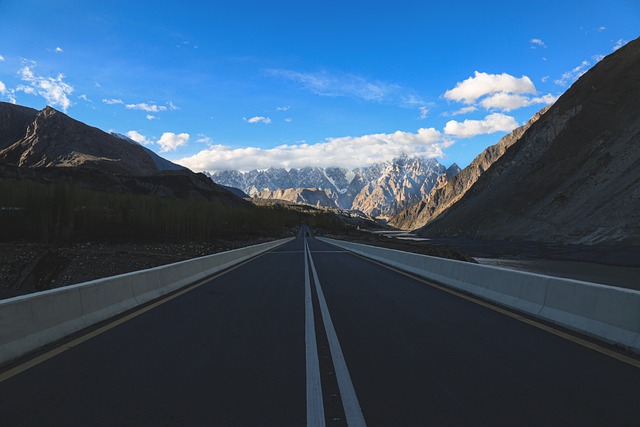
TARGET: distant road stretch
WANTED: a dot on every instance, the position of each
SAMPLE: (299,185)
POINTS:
(309,335)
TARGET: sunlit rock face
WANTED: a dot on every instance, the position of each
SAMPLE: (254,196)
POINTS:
(378,190)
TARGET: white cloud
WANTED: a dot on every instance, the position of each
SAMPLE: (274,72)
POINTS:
(573,75)
(423,113)
(338,84)
(3,87)
(204,139)
(282,108)
(169,141)
(151,117)
(509,102)
(59,50)
(113,101)
(139,138)
(619,44)
(288,120)
(544,79)
(463,110)
(1,58)
(143,106)
(258,119)
(347,152)
(537,43)
(84,97)
(53,89)
(601,29)
(492,123)
(482,84)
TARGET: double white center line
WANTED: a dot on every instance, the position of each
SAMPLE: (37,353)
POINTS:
(315,407)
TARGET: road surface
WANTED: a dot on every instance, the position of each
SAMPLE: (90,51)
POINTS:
(308,334)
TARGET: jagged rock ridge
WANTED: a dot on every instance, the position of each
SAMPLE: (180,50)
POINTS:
(379,190)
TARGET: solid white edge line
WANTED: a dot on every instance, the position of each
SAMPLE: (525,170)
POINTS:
(352,409)
(315,406)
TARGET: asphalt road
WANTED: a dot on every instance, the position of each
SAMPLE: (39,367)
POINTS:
(302,337)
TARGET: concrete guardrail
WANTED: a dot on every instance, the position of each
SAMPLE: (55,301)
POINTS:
(608,313)
(31,321)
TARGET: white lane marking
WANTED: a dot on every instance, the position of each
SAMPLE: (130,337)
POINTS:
(352,409)
(315,406)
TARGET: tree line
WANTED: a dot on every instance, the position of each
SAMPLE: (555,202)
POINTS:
(62,212)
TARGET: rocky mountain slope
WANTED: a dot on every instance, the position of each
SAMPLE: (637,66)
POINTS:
(48,146)
(53,139)
(453,186)
(573,176)
(305,196)
(379,190)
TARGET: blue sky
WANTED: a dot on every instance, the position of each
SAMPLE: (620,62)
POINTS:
(249,84)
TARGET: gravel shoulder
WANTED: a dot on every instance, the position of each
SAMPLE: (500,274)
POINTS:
(27,267)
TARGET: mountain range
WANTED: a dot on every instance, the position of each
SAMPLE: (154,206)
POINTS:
(379,190)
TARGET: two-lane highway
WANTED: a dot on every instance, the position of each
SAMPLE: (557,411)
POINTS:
(308,334)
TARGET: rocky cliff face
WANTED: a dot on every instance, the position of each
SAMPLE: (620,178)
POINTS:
(53,139)
(403,182)
(379,190)
(50,146)
(573,176)
(452,186)
(304,196)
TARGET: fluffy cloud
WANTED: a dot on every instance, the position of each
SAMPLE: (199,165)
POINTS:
(1,58)
(151,117)
(53,89)
(463,110)
(574,74)
(492,123)
(139,138)
(204,139)
(338,84)
(619,44)
(537,43)
(496,92)
(149,108)
(348,152)
(3,87)
(258,119)
(169,141)
(509,102)
(59,50)
(482,84)
(113,101)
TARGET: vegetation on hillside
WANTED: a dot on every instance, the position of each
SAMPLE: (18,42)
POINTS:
(61,212)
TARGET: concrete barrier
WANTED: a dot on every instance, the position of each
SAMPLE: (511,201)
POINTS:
(31,321)
(605,312)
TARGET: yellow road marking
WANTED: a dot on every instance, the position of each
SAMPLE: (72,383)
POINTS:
(573,338)
(74,343)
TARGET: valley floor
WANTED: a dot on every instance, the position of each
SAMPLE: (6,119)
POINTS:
(30,267)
